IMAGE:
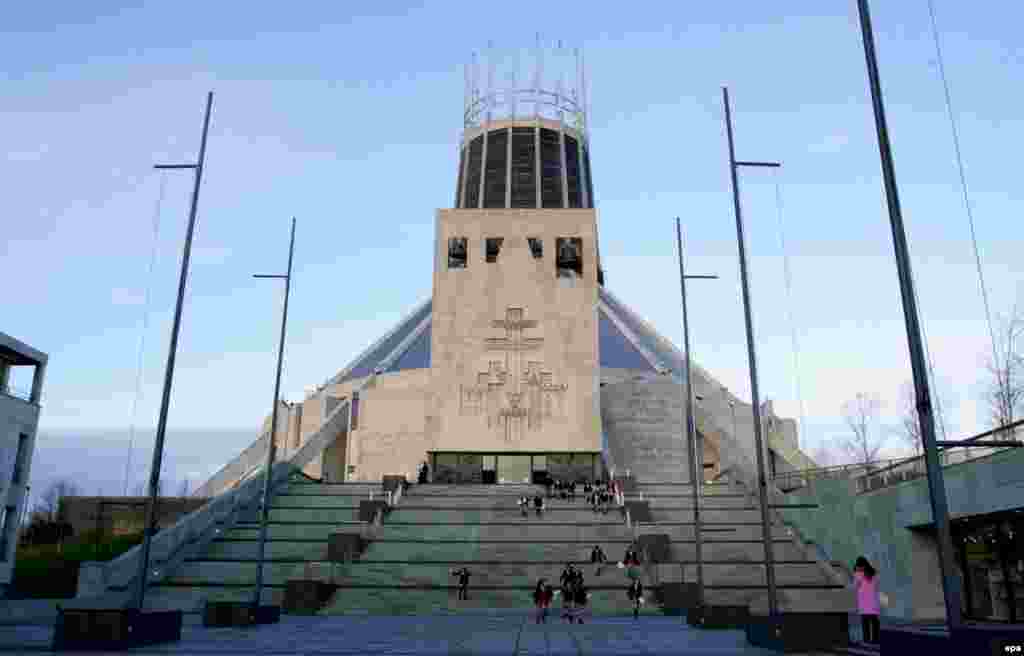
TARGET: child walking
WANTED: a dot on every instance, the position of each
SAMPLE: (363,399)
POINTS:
(865,582)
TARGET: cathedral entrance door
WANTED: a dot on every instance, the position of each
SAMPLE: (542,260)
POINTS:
(514,469)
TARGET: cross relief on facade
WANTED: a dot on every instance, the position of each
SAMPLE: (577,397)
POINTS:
(512,392)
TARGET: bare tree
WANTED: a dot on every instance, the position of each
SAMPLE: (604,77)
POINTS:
(826,456)
(909,430)
(1004,392)
(49,501)
(861,416)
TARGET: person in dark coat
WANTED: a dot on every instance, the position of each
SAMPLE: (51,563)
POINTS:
(636,595)
(538,504)
(423,474)
(566,580)
(579,598)
(547,486)
(598,558)
(572,491)
(463,575)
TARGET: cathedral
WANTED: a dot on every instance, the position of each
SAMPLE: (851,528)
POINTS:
(513,369)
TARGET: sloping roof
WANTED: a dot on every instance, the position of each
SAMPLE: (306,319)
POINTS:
(407,346)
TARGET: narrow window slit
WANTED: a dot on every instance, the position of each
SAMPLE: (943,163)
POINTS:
(492,246)
(569,257)
(457,253)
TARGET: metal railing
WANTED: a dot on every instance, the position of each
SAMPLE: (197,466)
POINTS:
(913,468)
(792,480)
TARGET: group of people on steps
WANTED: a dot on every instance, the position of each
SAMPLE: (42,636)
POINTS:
(601,496)
(574,592)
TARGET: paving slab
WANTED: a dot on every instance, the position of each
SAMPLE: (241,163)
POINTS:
(514,634)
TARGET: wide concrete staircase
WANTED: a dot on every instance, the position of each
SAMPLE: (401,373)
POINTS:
(643,424)
(301,517)
(438,528)
(406,568)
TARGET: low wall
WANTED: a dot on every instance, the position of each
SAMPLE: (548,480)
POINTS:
(891,527)
(123,514)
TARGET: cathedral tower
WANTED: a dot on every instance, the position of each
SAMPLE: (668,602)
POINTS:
(515,367)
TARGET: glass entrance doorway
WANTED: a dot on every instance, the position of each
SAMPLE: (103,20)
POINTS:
(991,555)
(514,469)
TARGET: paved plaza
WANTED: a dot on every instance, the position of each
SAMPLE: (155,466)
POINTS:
(506,634)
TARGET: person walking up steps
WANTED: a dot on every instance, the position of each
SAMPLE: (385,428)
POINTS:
(598,558)
(636,595)
(463,575)
(524,505)
(865,582)
(542,598)
(538,504)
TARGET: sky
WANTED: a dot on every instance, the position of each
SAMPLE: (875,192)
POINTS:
(347,116)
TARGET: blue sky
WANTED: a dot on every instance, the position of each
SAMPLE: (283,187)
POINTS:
(347,115)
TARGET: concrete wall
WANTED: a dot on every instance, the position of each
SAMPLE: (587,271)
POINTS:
(391,436)
(562,409)
(17,417)
(644,422)
(878,525)
(116,515)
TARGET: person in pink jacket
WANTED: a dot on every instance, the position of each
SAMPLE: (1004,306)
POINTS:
(865,582)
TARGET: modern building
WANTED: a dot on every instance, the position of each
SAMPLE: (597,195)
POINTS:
(22,369)
(521,363)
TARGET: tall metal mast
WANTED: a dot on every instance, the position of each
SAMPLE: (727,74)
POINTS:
(165,401)
(272,447)
(936,483)
(696,475)
(755,400)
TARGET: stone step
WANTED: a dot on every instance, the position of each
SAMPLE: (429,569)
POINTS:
(400,602)
(334,489)
(191,599)
(507,515)
(249,549)
(565,552)
(678,531)
(804,573)
(317,501)
(509,489)
(305,532)
(313,515)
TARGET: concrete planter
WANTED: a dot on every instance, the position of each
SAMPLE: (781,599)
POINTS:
(718,617)
(655,547)
(302,597)
(114,629)
(981,639)
(639,511)
(677,598)
(368,509)
(799,632)
(344,547)
(239,613)
(390,483)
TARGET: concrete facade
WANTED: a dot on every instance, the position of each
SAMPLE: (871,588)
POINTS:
(514,345)
(892,526)
(19,420)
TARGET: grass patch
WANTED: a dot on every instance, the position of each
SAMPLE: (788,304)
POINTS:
(50,571)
